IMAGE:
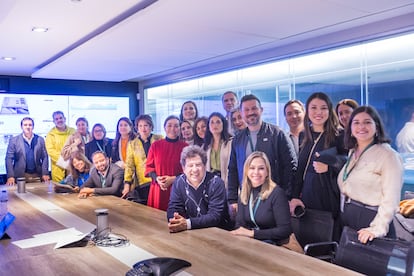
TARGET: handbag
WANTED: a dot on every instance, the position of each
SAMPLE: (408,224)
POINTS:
(293,244)
(61,162)
(382,256)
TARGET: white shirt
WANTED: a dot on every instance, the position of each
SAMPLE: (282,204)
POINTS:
(405,138)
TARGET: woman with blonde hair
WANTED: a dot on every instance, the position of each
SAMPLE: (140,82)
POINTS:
(263,208)
(187,131)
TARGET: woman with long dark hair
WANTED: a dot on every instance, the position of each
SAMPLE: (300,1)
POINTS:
(200,128)
(189,111)
(78,173)
(321,157)
(218,145)
(124,134)
(372,177)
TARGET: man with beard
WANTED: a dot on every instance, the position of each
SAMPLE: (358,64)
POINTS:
(55,140)
(260,136)
(294,115)
(104,179)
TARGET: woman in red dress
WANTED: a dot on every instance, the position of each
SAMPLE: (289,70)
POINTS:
(163,163)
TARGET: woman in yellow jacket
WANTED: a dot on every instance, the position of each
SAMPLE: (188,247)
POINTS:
(135,182)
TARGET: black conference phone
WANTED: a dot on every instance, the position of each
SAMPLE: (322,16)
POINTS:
(157,267)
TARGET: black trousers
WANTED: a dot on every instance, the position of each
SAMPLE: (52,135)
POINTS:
(358,217)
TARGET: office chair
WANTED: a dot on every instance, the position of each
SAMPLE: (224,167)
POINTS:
(314,232)
(382,256)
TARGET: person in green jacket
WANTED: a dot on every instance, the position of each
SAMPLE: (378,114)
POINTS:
(55,140)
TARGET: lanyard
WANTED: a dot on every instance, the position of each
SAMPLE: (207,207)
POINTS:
(99,146)
(103,180)
(310,154)
(346,172)
(253,211)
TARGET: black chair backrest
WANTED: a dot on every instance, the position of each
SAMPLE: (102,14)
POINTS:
(314,226)
(382,256)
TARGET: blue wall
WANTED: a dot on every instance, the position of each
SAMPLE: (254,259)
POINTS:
(26,85)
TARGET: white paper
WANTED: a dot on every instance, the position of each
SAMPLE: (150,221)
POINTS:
(59,236)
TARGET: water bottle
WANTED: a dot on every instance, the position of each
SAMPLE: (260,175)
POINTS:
(50,187)
(4,197)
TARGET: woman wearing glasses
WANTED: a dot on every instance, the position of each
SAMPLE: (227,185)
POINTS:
(99,142)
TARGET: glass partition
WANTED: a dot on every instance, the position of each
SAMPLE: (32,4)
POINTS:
(379,73)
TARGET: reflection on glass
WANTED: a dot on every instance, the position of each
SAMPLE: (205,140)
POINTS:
(379,73)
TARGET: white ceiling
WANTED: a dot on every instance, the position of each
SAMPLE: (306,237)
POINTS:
(125,40)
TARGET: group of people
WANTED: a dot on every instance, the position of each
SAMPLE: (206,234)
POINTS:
(333,159)
(233,171)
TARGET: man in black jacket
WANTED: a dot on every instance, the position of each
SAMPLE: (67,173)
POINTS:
(260,136)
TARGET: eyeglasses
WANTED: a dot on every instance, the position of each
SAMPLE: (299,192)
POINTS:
(98,130)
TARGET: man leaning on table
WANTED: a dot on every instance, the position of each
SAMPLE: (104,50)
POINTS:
(26,155)
(198,198)
(104,179)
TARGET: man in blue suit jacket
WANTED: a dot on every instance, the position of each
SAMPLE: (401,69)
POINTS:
(104,179)
(26,155)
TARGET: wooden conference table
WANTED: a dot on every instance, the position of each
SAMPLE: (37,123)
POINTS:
(211,251)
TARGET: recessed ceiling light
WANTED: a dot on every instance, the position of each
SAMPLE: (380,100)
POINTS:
(8,58)
(39,29)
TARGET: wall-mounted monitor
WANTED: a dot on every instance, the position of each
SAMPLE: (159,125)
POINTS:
(96,109)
